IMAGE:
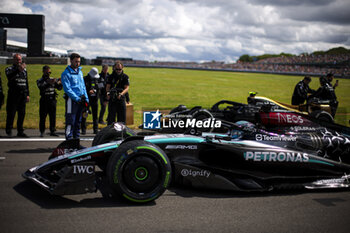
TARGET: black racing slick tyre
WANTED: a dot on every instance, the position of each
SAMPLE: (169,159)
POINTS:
(139,171)
(115,131)
(322,116)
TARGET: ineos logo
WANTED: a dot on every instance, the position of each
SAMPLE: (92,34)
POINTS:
(4,20)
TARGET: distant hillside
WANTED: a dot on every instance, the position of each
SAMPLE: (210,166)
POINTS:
(333,51)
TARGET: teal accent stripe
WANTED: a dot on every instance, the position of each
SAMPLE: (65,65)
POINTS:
(320,161)
(94,151)
(176,140)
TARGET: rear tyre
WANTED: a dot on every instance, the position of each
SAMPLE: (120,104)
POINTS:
(322,116)
(178,109)
(138,171)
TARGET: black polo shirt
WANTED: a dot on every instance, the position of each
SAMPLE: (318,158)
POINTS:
(118,81)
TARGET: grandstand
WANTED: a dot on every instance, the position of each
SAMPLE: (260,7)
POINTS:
(316,64)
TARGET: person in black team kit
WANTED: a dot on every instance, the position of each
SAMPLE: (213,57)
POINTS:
(48,102)
(91,84)
(117,87)
(2,97)
(326,92)
(18,95)
(301,90)
(330,77)
(102,92)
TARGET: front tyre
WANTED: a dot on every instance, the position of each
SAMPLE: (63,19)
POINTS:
(139,171)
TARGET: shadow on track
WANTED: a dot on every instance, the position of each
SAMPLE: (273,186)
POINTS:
(105,198)
(45,200)
(205,193)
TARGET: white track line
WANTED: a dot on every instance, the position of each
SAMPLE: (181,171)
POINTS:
(39,139)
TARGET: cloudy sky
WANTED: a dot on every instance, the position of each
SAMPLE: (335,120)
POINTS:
(188,30)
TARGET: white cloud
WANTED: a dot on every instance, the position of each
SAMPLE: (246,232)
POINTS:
(63,28)
(15,6)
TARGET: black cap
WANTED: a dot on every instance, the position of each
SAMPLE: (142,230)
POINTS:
(329,75)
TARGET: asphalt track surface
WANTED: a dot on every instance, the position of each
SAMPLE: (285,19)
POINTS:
(24,207)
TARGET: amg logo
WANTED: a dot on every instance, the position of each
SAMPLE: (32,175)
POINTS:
(82,169)
(181,147)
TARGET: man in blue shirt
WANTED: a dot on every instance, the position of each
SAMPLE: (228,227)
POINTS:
(75,95)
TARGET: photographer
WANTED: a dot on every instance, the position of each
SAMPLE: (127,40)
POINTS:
(48,102)
(330,78)
(18,95)
(91,84)
(74,88)
(117,87)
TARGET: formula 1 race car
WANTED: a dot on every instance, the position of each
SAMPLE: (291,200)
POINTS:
(262,111)
(245,158)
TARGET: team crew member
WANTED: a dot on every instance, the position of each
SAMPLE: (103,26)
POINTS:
(117,87)
(75,91)
(102,93)
(330,77)
(48,102)
(2,97)
(326,92)
(18,95)
(301,90)
(251,98)
(91,84)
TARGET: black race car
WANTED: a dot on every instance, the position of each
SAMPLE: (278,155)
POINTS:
(262,111)
(244,158)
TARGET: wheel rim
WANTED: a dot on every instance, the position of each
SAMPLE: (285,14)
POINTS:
(141,173)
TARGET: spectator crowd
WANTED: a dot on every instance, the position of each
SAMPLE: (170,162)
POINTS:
(314,65)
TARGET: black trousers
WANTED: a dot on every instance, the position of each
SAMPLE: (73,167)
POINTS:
(103,108)
(117,108)
(334,107)
(93,101)
(16,102)
(47,107)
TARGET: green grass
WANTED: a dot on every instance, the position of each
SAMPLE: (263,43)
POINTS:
(166,88)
